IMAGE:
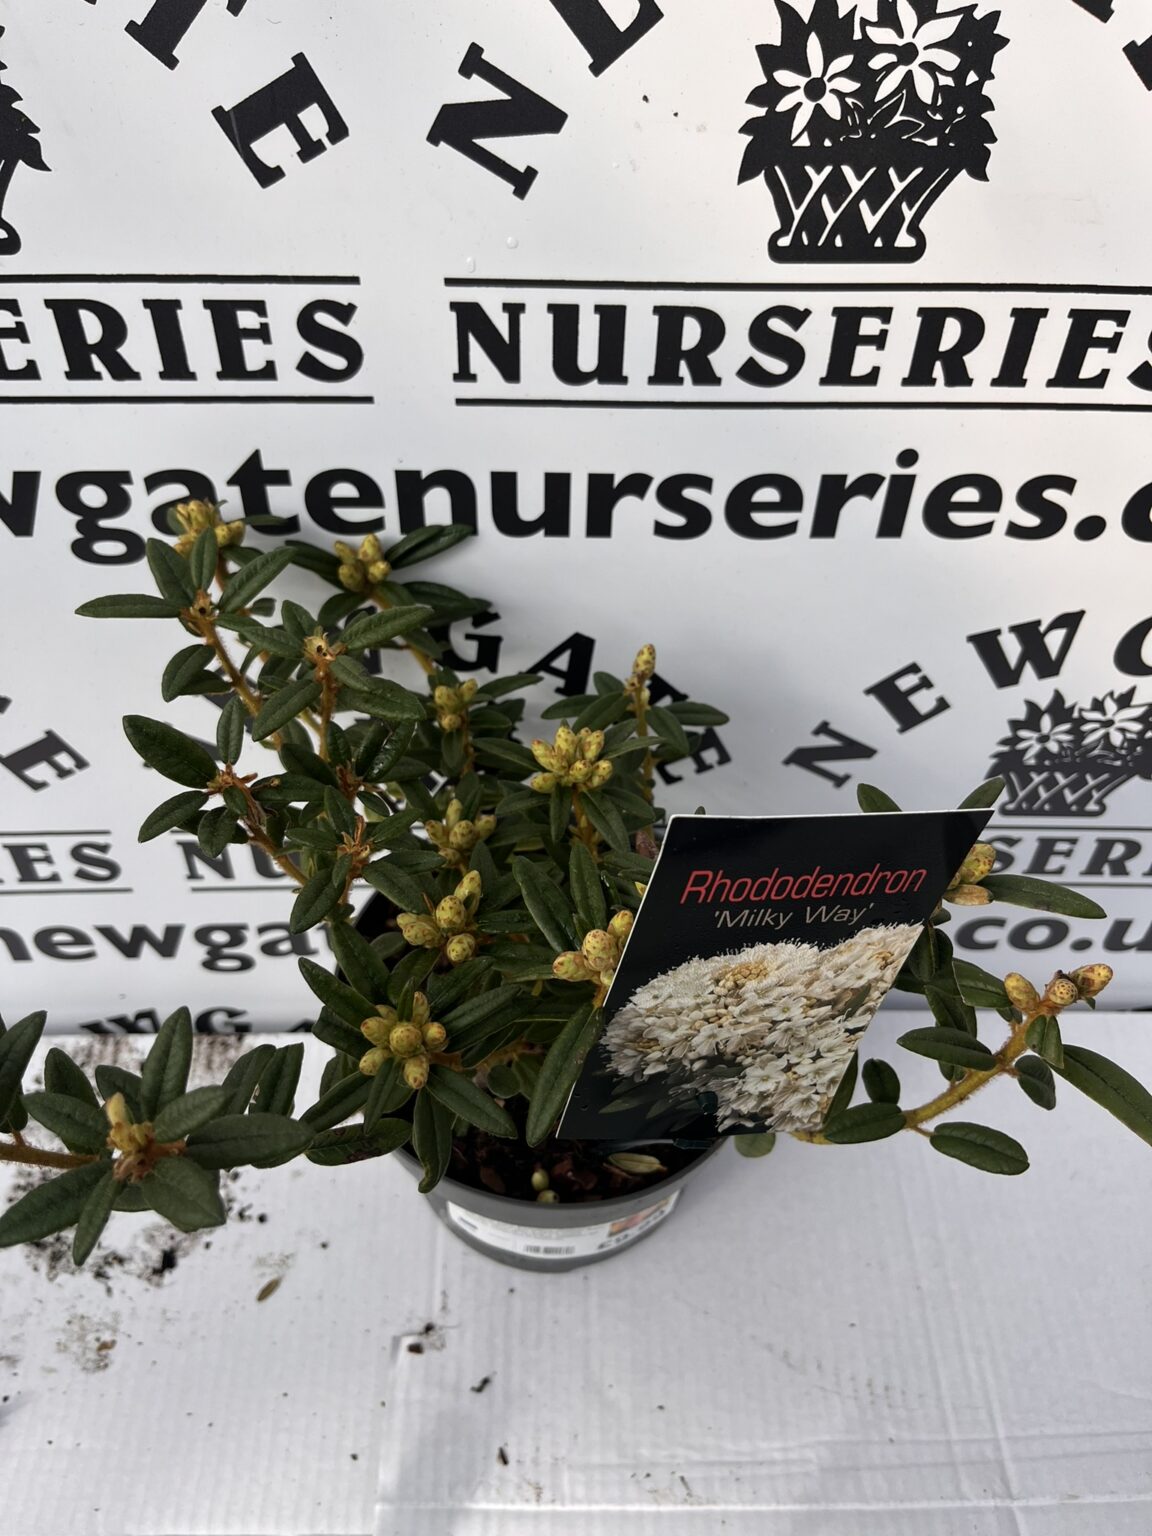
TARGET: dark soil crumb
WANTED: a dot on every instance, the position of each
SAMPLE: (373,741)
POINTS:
(481,1384)
(502,1456)
(416,1349)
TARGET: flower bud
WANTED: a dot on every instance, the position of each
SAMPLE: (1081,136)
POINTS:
(451,914)
(571,966)
(600,775)
(1021,993)
(460,948)
(545,755)
(599,949)
(453,814)
(981,861)
(621,925)
(351,577)
(539,1180)
(228,534)
(580,772)
(116,1110)
(542,783)
(485,826)
(437,833)
(435,1037)
(591,744)
(462,836)
(369,549)
(376,1030)
(636,1163)
(645,663)
(1091,979)
(379,571)
(968,896)
(566,745)
(372,1061)
(416,1072)
(421,1012)
(445,697)
(420,932)
(405,1040)
(471,887)
(451,722)
(1061,992)
(345,551)
(468,690)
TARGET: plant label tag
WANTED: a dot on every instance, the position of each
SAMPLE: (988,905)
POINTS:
(761,951)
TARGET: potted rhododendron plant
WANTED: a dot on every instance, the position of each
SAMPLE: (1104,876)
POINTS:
(503,876)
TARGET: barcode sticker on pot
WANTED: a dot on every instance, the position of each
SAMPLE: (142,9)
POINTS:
(561,1242)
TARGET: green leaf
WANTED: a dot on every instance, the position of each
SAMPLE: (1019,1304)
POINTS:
(506,754)
(561,1068)
(388,1091)
(285,705)
(688,712)
(129,605)
(185,667)
(980,1147)
(1109,1086)
(431,1139)
(230,730)
(410,972)
(604,816)
(169,751)
(866,1122)
(545,903)
(954,1046)
(587,889)
(1044,1036)
(461,1095)
(984,796)
(345,1038)
(81,1127)
(386,700)
(479,1008)
(112,1080)
(16,1047)
(173,813)
(360,962)
(400,888)
(185,1194)
(338,1103)
(424,543)
(313,902)
(670,730)
(94,1216)
(62,1075)
(756,1146)
(979,988)
(240,589)
(202,559)
(276,1093)
(1035,1078)
(215,830)
(170,572)
(1040,895)
(352,1144)
(337,995)
(379,628)
(874,800)
(164,1075)
(844,1089)
(244,1075)
(235,1140)
(881,1082)
(187,1113)
(949,1010)
(50,1207)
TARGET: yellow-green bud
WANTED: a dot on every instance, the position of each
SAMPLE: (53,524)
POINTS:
(376,1030)
(370,549)
(599,949)
(485,826)
(435,1037)
(416,1072)
(345,551)
(1061,992)
(372,1061)
(591,744)
(462,836)
(636,1162)
(471,887)
(545,755)
(968,896)
(1091,979)
(468,690)
(566,745)
(405,1040)
(548,1197)
(421,1012)
(451,722)
(460,948)
(453,814)
(580,772)
(571,966)
(645,663)
(116,1109)
(420,932)
(981,861)
(379,570)
(600,774)
(351,577)
(1021,993)
(540,1180)
(451,914)
(543,783)
(621,925)
(437,833)
(445,697)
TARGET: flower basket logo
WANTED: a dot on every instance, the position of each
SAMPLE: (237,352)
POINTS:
(866,124)
(1065,759)
(18,146)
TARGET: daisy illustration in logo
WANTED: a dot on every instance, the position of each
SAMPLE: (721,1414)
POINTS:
(910,53)
(823,89)
(1112,722)
(1047,738)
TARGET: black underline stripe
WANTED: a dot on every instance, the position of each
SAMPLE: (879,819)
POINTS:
(71,890)
(1050,826)
(187,399)
(341,280)
(639,286)
(507,403)
(60,832)
(227,890)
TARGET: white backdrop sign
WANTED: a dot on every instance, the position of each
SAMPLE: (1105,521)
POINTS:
(811,344)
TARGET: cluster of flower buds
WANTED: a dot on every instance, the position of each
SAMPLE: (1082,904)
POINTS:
(966,889)
(412,1041)
(134,1142)
(456,836)
(1065,988)
(570,761)
(599,954)
(451,924)
(364,568)
(452,704)
(195,516)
